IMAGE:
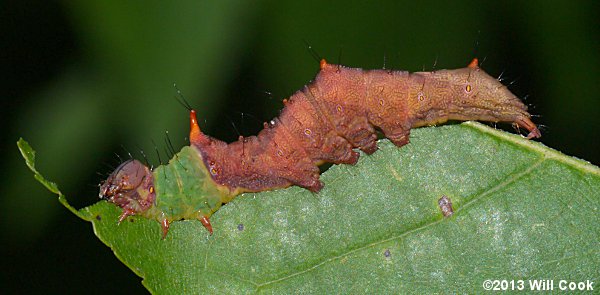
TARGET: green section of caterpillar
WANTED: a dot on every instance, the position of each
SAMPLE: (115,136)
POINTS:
(323,122)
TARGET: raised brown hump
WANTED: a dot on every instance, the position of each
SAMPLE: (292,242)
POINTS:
(272,159)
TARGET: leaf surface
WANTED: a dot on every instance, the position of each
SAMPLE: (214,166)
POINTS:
(521,211)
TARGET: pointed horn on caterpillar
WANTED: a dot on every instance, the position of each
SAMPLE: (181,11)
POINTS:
(474,64)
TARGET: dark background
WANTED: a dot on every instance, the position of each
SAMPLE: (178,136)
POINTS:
(83,80)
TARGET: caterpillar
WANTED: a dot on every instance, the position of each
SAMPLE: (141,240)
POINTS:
(325,121)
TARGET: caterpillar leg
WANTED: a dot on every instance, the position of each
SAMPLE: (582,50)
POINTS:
(165,228)
(363,135)
(339,150)
(307,178)
(126,212)
(312,184)
(204,220)
(526,123)
(400,139)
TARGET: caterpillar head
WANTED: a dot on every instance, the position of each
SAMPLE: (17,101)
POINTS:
(130,186)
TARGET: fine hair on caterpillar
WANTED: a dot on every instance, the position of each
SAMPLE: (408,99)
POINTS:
(324,122)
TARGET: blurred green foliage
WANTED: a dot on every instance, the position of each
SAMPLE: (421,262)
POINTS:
(83,78)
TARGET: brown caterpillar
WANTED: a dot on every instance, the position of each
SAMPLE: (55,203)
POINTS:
(323,122)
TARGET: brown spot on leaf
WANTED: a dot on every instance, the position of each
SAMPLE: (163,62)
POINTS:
(387,253)
(446,206)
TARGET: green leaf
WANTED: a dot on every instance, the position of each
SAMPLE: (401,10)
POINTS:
(29,155)
(521,211)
